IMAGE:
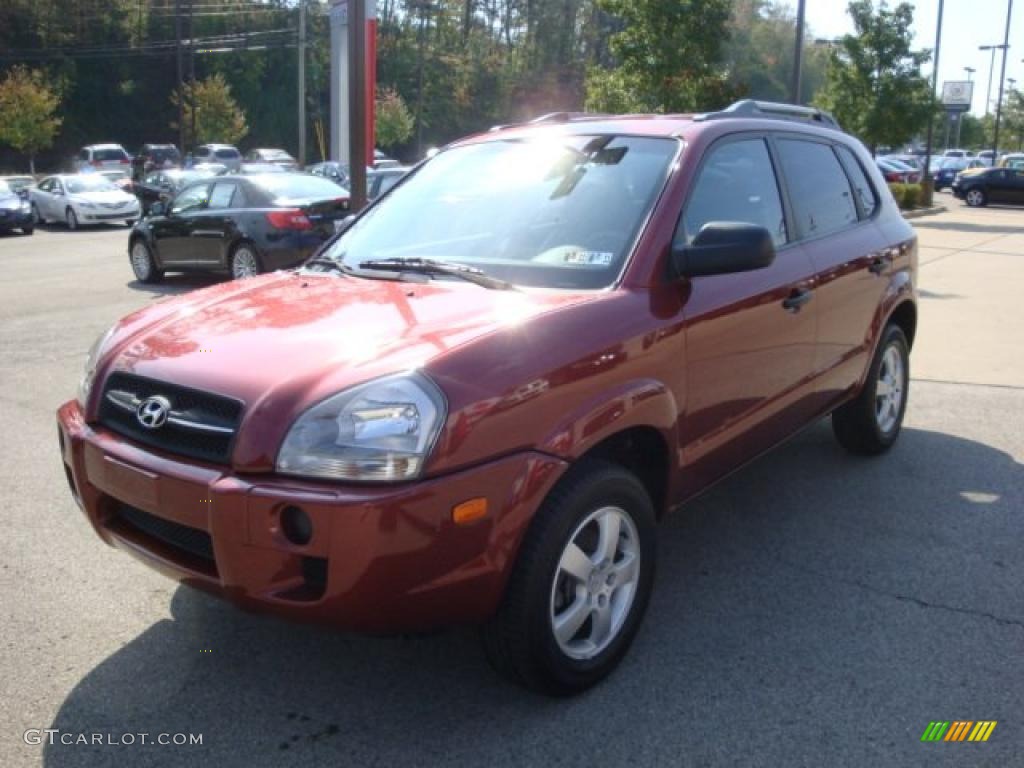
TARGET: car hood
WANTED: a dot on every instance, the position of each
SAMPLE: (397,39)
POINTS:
(283,341)
(107,196)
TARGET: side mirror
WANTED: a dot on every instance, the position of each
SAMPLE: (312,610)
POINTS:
(724,247)
(157,209)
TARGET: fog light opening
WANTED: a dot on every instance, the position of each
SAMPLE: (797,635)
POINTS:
(296,526)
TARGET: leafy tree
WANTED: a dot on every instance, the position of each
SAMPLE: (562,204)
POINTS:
(394,122)
(217,116)
(667,53)
(874,85)
(1013,120)
(27,106)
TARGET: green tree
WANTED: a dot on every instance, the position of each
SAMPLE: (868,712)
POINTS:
(27,106)
(393,123)
(217,116)
(667,54)
(874,85)
(1012,121)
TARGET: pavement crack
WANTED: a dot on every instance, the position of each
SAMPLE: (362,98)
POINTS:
(1005,621)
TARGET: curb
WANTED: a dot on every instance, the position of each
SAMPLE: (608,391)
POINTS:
(919,212)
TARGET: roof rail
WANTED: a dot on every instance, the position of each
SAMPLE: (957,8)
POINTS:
(551,117)
(772,110)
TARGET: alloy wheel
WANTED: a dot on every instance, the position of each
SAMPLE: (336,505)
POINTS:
(243,263)
(975,198)
(71,219)
(595,583)
(142,264)
(889,389)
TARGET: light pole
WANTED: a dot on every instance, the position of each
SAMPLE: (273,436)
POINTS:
(1002,77)
(928,182)
(970,71)
(991,68)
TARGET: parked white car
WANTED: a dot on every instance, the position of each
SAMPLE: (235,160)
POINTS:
(79,199)
(102,157)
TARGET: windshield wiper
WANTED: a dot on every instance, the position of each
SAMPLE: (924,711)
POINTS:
(323,261)
(431,267)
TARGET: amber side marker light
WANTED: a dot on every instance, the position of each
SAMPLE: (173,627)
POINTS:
(469,511)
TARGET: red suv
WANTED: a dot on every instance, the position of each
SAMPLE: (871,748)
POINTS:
(476,402)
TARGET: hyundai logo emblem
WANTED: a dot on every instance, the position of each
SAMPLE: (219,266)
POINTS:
(153,411)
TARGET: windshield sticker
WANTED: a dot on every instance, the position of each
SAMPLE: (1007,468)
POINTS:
(589,258)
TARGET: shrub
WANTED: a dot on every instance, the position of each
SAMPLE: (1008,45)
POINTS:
(897,193)
(911,196)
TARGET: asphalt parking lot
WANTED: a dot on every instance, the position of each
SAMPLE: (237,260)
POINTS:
(812,610)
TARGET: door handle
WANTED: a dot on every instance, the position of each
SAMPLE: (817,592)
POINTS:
(797,299)
(878,265)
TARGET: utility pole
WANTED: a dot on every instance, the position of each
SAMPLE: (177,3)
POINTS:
(181,75)
(302,83)
(931,113)
(357,149)
(798,54)
(1002,79)
(192,67)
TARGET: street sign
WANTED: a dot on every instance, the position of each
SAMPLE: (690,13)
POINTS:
(956,95)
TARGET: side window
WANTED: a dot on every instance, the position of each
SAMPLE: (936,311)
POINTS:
(861,186)
(736,183)
(46,185)
(83,155)
(818,187)
(192,199)
(222,194)
(202,152)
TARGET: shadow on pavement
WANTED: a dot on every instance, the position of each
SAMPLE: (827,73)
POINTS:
(814,609)
(963,226)
(176,284)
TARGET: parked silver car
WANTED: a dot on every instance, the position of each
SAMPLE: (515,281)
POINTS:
(102,157)
(79,199)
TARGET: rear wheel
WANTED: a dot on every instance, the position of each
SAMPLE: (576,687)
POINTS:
(71,219)
(143,264)
(244,262)
(581,583)
(28,230)
(870,424)
(975,198)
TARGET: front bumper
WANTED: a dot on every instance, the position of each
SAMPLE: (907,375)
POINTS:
(381,559)
(15,219)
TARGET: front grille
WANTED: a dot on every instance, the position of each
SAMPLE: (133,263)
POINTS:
(202,424)
(192,541)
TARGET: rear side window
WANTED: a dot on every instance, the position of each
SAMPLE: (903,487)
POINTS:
(109,154)
(861,186)
(736,183)
(229,154)
(818,187)
(222,195)
(202,152)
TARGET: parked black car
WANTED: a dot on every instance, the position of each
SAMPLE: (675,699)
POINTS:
(991,185)
(378,180)
(162,186)
(15,210)
(243,224)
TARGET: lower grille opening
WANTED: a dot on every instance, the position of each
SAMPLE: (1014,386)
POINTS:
(189,546)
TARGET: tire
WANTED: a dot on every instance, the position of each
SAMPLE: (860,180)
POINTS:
(244,262)
(143,264)
(520,640)
(28,230)
(976,198)
(71,219)
(129,222)
(870,424)
(37,217)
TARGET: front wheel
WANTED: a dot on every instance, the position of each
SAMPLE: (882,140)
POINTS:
(975,198)
(71,219)
(28,230)
(870,424)
(143,264)
(581,583)
(37,218)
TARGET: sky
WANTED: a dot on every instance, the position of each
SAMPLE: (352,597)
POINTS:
(966,24)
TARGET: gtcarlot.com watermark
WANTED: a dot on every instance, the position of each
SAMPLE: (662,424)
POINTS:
(55,736)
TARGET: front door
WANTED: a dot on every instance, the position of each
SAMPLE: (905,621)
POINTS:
(171,232)
(749,336)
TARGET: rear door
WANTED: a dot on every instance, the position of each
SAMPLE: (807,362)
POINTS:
(1000,186)
(835,204)
(1016,185)
(208,229)
(749,336)
(172,232)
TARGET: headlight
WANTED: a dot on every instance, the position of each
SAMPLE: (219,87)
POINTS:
(89,374)
(380,431)
(86,204)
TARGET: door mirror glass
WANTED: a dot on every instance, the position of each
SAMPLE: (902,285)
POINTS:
(724,247)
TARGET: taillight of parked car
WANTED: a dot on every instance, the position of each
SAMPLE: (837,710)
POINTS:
(289,218)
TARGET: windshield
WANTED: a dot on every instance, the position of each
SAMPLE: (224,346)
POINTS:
(97,183)
(109,154)
(561,212)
